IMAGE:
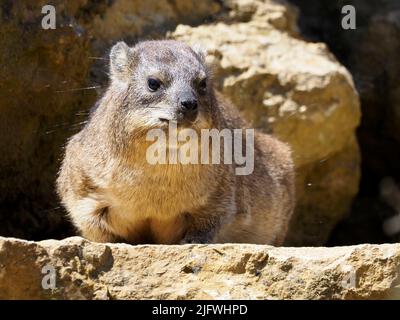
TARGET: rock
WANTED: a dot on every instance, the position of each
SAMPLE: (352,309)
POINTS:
(371,52)
(86,270)
(42,73)
(298,92)
(134,19)
(329,180)
(282,17)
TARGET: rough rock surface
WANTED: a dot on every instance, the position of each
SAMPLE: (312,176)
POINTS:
(133,19)
(86,270)
(372,54)
(41,75)
(299,92)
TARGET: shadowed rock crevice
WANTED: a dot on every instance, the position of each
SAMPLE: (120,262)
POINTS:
(371,52)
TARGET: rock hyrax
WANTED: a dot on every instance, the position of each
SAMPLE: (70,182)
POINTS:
(111,191)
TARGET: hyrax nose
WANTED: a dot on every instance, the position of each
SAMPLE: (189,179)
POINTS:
(189,106)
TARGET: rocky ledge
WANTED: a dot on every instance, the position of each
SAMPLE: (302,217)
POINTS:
(75,268)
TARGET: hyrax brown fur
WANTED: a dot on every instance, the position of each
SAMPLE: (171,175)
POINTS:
(112,193)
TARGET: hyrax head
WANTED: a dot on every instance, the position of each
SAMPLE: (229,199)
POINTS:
(162,81)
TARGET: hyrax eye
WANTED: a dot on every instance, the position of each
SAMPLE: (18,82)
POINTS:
(203,86)
(153,84)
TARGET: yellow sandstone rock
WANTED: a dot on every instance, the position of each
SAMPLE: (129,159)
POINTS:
(86,270)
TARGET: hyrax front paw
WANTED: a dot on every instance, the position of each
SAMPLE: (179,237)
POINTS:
(197,238)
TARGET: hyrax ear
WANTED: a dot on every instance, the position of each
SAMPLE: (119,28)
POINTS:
(200,51)
(208,60)
(121,61)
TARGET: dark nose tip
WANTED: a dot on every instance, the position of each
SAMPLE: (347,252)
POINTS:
(189,105)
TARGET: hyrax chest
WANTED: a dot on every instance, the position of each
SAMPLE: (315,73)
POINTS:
(152,201)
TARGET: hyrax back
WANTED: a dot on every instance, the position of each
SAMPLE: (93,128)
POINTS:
(113,193)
